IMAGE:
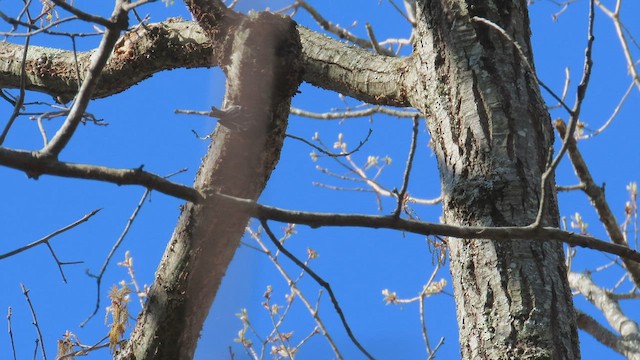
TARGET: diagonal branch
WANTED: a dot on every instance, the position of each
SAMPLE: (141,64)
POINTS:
(34,166)
(501,233)
(626,346)
(86,16)
(48,237)
(598,200)
(90,82)
(320,282)
(629,341)
(573,119)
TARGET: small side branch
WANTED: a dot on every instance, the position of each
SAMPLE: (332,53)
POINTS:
(337,30)
(25,291)
(407,170)
(573,119)
(510,233)
(98,62)
(10,331)
(34,166)
(597,197)
(45,240)
(320,282)
(629,342)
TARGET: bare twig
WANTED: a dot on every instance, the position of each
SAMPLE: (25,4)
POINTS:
(35,166)
(565,88)
(615,17)
(86,16)
(25,291)
(613,115)
(508,233)
(35,29)
(407,171)
(337,30)
(90,82)
(328,153)
(597,197)
(10,331)
(115,247)
(20,100)
(45,240)
(573,119)
(374,42)
(320,282)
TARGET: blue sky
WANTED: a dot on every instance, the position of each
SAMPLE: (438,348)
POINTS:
(358,263)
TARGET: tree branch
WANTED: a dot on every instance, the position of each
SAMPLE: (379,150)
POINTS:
(48,237)
(320,282)
(34,166)
(598,200)
(504,233)
(629,341)
(329,64)
(89,83)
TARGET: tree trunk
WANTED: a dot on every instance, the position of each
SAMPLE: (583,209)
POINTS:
(492,136)
(263,73)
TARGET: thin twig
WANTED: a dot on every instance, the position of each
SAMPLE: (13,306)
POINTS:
(573,119)
(35,320)
(48,237)
(20,100)
(98,62)
(407,170)
(374,42)
(613,115)
(320,282)
(615,17)
(10,331)
(336,29)
(329,153)
(116,245)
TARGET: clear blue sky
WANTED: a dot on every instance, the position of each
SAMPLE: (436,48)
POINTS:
(358,263)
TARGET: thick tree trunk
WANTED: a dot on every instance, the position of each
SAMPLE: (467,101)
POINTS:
(492,136)
(263,72)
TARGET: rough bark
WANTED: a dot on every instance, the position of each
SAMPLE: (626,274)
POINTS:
(175,43)
(263,73)
(492,136)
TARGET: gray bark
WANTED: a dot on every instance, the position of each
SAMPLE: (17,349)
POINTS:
(492,135)
(263,73)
